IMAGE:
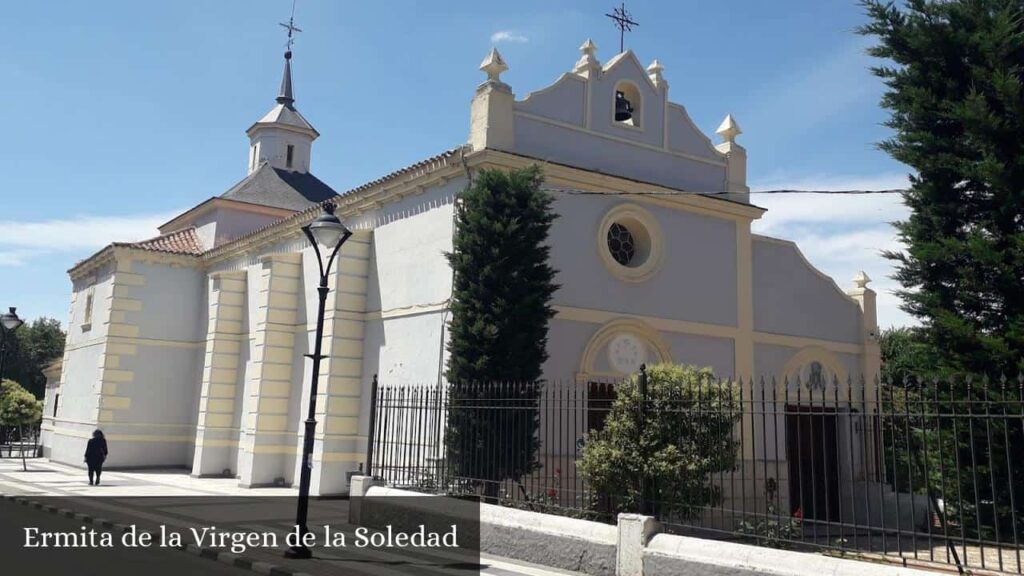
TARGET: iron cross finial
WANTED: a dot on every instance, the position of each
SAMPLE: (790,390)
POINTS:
(624,22)
(291,28)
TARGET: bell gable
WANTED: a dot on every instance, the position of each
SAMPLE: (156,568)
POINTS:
(614,118)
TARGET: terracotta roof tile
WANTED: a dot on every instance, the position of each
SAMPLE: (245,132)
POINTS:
(184,241)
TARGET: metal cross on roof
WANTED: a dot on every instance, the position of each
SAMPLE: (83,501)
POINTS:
(624,22)
(291,28)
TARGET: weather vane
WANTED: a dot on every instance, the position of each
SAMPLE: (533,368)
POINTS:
(291,28)
(624,22)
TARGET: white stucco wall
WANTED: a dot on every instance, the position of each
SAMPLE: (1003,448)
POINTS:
(409,285)
(165,371)
(272,145)
(76,415)
(696,280)
(792,297)
(221,225)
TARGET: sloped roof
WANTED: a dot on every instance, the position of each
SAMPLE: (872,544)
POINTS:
(412,171)
(184,241)
(270,186)
(287,115)
(304,192)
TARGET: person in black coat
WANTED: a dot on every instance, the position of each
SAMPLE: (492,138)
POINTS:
(95,454)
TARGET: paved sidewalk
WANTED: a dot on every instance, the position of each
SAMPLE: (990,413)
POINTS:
(45,478)
(149,498)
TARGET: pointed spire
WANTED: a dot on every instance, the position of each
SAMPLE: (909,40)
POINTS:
(588,59)
(284,96)
(729,129)
(493,65)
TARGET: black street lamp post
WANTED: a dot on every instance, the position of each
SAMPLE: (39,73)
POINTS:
(9,322)
(327,232)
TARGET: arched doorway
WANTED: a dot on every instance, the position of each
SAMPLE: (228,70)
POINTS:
(815,379)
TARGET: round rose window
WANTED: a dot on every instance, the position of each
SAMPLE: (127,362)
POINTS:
(621,244)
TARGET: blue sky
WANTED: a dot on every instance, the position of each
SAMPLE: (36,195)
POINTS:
(121,114)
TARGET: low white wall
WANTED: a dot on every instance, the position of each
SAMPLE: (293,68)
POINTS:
(632,548)
(556,541)
(666,554)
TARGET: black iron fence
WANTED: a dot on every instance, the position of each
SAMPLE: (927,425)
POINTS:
(20,441)
(926,472)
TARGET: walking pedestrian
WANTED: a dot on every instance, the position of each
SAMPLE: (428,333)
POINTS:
(95,454)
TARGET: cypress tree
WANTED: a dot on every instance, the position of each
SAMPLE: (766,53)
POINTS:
(954,75)
(498,330)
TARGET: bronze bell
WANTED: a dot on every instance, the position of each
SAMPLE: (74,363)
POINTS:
(623,107)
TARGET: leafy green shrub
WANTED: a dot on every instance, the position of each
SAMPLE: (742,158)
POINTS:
(682,437)
(18,407)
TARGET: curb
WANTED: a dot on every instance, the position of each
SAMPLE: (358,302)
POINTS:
(237,560)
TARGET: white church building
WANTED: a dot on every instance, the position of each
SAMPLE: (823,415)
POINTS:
(188,349)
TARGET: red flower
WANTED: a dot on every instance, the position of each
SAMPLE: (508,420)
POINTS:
(558,471)
(799,513)
(552,492)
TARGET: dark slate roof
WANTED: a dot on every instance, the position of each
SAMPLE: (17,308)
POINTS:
(270,186)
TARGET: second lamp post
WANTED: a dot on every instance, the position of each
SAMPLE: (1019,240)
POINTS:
(326,234)
(9,322)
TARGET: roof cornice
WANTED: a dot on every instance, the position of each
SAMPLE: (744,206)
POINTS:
(311,132)
(92,263)
(115,252)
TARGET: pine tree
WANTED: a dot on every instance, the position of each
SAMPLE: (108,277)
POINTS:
(498,330)
(954,73)
(29,349)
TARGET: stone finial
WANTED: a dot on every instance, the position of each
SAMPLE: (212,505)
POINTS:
(861,280)
(729,129)
(654,70)
(588,61)
(493,65)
